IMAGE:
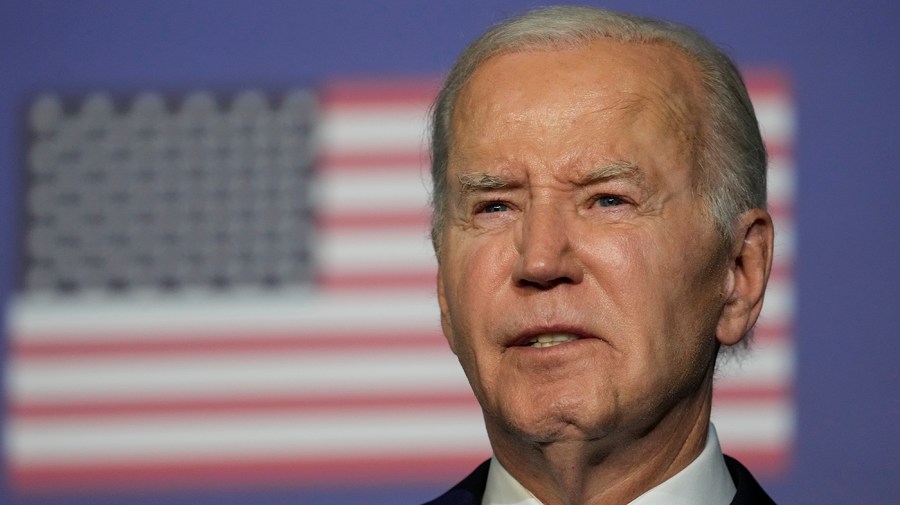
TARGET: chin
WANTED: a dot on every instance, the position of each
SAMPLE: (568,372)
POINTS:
(558,421)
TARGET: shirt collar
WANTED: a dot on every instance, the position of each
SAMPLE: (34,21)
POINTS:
(704,480)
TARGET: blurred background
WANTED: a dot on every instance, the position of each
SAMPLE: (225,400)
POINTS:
(215,275)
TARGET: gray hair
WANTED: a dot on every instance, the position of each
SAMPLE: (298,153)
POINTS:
(732,158)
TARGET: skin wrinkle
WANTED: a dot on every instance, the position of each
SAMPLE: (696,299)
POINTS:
(730,156)
(675,112)
(645,277)
(482,182)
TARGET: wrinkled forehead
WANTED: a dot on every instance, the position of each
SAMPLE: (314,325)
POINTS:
(619,78)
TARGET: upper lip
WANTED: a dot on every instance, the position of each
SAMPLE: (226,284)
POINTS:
(526,337)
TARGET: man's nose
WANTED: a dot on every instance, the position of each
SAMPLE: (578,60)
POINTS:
(546,255)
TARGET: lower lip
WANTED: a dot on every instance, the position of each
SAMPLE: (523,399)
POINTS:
(560,347)
(554,357)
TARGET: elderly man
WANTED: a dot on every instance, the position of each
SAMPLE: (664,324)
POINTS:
(599,224)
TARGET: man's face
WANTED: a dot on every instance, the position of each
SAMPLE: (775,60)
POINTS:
(580,279)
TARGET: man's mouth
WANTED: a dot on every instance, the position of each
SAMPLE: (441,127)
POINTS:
(551,339)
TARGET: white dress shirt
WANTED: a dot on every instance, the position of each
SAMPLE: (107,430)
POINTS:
(704,481)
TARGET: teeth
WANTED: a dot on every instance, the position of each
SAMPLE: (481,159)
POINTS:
(550,340)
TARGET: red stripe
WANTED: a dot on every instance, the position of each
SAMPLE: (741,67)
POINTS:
(416,160)
(772,331)
(403,279)
(370,220)
(30,411)
(782,151)
(782,270)
(58,411)
(350,404)
(52,479)
(766,81)
(779,148)
(55,346)
(411,160)
(381,469)
(380,92)
(762,462)
(780,209)
(724,395)
(49,479)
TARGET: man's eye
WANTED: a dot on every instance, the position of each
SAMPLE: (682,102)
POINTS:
(494,207)
(609,201)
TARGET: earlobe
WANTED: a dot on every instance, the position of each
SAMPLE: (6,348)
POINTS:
(750,263)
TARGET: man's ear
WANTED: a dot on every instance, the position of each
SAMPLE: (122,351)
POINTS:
(749,265)
(445,312)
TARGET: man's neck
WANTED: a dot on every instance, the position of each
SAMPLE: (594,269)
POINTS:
(609,470)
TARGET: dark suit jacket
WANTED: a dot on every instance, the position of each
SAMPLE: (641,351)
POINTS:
(470,490)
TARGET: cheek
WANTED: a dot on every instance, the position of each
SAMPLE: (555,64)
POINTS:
(467,314)
(678,292)
(657,287)
(626,269)
(469,283)
(478,269)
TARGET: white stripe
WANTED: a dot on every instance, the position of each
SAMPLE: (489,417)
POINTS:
(754,425)
(354,251)
(770,363)
(785,241)
(375,165)
(247,436)
(362,192)
(776,118)
(388,128)
(781,180)
(67,320)
(446,430)
(252,373)
(778,306)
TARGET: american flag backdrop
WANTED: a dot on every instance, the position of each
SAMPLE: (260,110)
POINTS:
(239,290)
(753,406)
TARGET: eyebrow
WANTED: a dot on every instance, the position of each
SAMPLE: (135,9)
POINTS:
(473,182)
(481,181)
(617,170)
